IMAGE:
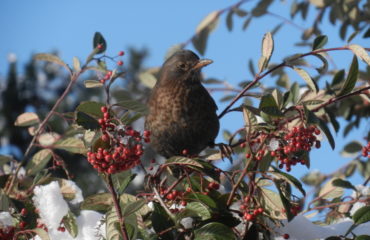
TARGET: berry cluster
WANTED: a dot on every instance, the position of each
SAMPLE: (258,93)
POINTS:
(109,74)
(250,213)
(125,146)
(366,150)
(297,140)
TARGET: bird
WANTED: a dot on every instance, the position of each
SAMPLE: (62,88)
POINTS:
(182,117)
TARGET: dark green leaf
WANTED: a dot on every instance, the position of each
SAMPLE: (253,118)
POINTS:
(229,20)
(246,23)
(313,119)
(203,199)
(91,108)
(367,33)
(70,223)
(261,8)
(350,82)
(294,93)
(161,222)
(338,77)
(324,68)
(214,231)
(319,42)
(362,237)
(291,179)
(86,121)
(352,149)
(333,120)
(362,215)
(269,106)
(285,201)
(343,183)
(99,39)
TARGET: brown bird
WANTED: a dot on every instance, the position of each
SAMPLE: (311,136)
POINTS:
(182,114)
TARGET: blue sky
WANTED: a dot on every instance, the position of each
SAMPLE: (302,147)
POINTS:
(68,26)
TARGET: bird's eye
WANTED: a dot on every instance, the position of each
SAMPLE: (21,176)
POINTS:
(182,66)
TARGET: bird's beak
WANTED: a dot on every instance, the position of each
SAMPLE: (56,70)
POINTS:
(202,63)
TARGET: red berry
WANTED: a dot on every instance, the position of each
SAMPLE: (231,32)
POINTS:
(120,63)
(121,53)
(100,46)
(170,196)
(317,131)
(22,224)
(260,210)
(248,155)
(242,145)
(61,229)
(185,152)
(183,203)
(188,189)
(24,212)
(286,236)
(248,217)
(104,109)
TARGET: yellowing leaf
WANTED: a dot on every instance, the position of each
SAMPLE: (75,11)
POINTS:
(47,139)
(51,58)
(92,84)
(330,191)
(210,18)
(27,119)
(71,144)
(360,52)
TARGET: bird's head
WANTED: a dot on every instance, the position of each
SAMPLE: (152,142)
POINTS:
(183,65)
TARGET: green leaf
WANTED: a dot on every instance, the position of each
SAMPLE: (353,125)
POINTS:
(261,8)
(125,182)
(343,183)
(291,179)
(98,202)
(91,108)
(350,82)
(93,84)
(362,237)
(132,207)
(269,106)
(73,145)
(324,68)
(27,119)
(305,76)
(208,201)
(294,93)
(178,160)
(148,79)
(99,39)
(285,201)
(247,22)
(327,133)
(41,233)
(351,149)
(112,226)
(70,223)
(207,25)
(229,20)
(214,231)
(51,58)
(338,77)
(38,161)
(360,52)
(362,215)
(319,42)
(134,106)
(161,221)
(86,121)
(200,209)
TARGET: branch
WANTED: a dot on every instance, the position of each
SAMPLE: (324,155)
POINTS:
(117,207)
(283,64)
